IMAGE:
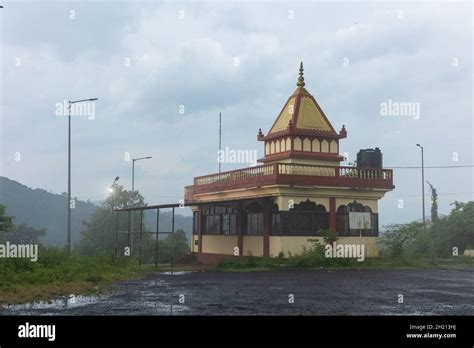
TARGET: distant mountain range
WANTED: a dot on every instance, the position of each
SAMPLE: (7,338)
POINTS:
(39,208)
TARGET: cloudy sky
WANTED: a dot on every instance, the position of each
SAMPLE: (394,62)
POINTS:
(163,71)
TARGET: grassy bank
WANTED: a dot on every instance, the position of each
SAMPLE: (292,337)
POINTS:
(57,274)
(311,261)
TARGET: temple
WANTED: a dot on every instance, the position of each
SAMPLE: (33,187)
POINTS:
(298,191)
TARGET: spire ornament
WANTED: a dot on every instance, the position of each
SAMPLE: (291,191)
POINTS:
(300,82)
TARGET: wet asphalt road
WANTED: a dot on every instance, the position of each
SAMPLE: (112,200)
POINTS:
(345,292)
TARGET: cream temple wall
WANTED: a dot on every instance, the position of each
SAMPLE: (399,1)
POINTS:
(253,245)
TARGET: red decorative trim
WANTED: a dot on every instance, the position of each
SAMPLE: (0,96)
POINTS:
(299,94)
(302,154)
(296,109)
(379,179)
(332,213)
(201,227)
(240,224)
(240,244)
(303,132)
(266,227)
(292,180)
(322,113)
(283,108)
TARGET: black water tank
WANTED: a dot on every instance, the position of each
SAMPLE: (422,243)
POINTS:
(369,158)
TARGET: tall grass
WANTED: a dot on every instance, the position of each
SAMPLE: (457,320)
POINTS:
(55,266)
(314,258)
(309,258)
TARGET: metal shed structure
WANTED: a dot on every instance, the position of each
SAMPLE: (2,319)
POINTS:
(129,232)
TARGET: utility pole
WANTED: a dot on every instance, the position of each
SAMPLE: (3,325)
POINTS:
(422,185)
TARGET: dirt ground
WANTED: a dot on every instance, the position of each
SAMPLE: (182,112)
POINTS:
(345,292)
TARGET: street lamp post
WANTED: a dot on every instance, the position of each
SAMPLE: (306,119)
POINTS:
(111,190)
(70,102)
(422,185)
(133,193)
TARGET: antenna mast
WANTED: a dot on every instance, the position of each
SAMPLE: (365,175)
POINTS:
(220,141)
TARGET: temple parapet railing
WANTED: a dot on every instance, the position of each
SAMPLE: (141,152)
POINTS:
(240,174)
(293,174)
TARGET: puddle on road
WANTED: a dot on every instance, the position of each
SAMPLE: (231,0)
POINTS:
(158,295)
(164,308)
(133,297)
(176,273)
(55,304)
(443,292)
(61,306)
(406,310)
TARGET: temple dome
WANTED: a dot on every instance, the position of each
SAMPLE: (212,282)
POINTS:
(302,118)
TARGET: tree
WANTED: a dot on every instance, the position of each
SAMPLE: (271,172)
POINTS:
(397,237)
(172,248)
(6,221)
(178,243)
(99,234)
(434,205)
(460,226)
(453,231)
(23,234)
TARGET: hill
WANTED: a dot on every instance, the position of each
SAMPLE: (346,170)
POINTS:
(39,208)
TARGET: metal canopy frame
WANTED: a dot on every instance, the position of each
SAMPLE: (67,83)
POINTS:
(141,232)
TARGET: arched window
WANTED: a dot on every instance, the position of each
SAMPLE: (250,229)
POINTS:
(254,212)
(342,220)
(343,209)
(220,219)
(309,206)
(356,207)
(305,219)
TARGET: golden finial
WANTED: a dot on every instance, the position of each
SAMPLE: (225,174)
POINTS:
(300,82)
